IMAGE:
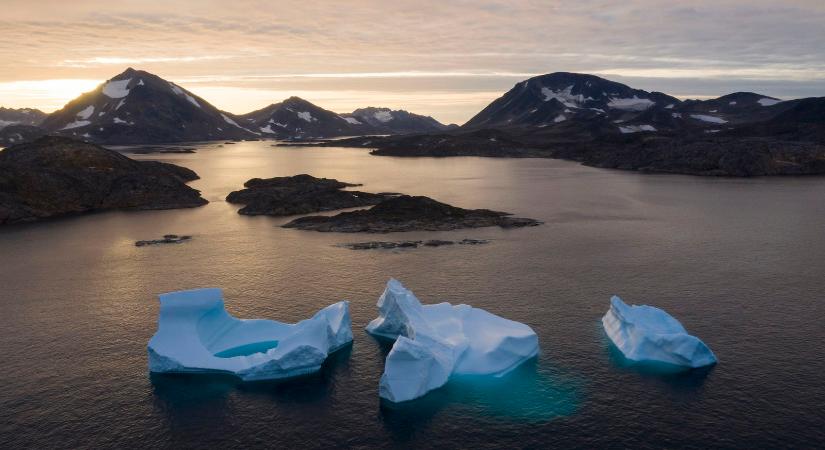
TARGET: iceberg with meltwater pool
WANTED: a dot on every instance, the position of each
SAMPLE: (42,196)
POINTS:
(647,334)
(436,341)
(196,335)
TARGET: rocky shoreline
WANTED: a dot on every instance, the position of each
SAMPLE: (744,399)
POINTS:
(720,155)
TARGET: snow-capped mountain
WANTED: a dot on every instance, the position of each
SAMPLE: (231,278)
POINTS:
(22,116)
(298,118)
(556,98)
(137,107)
(579,106)
(387,121)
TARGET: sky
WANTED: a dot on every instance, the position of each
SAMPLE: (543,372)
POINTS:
(443,58)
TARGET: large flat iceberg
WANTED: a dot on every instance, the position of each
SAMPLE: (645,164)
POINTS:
(647,334)
(436,341)
(196,335)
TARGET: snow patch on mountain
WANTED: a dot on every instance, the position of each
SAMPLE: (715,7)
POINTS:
(560,118)
(565,96)
(630,104)
(116,89)
(352,120)
(229,120)
(76,124)
(86,113)
(383,116)
(306,115)
(768,101)
(710,119)
(636,128)
(177,90)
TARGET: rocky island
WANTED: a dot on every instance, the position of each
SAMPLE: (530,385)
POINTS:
(409,213)
(299,194)
(56,176)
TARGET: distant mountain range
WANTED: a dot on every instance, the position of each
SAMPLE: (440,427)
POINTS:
(297,118)
(22,116)
(137,107)
(607,124)
(559,115)
(387,121)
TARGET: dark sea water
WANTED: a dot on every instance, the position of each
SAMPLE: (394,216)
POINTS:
(741,263)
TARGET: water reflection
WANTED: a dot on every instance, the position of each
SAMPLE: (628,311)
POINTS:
(532,393)
(180,397)
(676,377)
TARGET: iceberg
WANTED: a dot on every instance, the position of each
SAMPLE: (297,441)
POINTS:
(196,335)
(433,342)
(646,334)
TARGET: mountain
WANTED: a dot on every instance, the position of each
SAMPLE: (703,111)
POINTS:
(298,118)
(566,106)
(56,176)
(137,107)
(556,98)
(387,121)
(23,116)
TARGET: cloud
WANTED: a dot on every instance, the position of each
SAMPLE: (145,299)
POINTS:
(456,46)
(126,61)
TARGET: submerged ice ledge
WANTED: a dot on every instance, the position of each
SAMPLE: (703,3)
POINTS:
(197,335)
(646,334)
(434,342)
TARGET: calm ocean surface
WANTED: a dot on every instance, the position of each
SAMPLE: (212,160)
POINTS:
(741,263)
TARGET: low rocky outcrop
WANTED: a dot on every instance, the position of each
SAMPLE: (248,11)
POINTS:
(167,239)
(56,176)
(160,149)
(408,213)
(299,194)
(374,245)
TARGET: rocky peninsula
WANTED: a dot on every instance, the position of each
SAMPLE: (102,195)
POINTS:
(57,176)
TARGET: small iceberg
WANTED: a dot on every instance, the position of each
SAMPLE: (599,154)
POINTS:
(196,335)
(433,342)
(646,334)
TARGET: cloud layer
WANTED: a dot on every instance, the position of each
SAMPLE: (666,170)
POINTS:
(413,54)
